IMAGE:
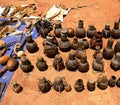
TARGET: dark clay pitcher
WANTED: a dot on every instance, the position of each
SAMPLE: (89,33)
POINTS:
(117,47)
(112,81)
(44,85)
(50,49)
(41,64)
(31,45)
(98,64)
(106,31)
(108,52)
(83,65)
(58,28)
(91,84)
(71,62)
(74,44)
(26,65)
(58,84)
(80,49)
(64,44)
(80,30)
(91,31)
(102,82)
(115,33)
(79,85)
(58,63)
(118,82)
(115,62)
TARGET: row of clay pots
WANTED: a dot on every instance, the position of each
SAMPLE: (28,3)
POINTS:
(44,27)
(91,31)
(59,84)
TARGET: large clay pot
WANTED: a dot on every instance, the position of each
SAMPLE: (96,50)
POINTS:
(79,85)
(106,31)
(44,85)
(108,52)
(91,31)
(115,33)
(58,63)
(71,62)
(80,30)
(41,64)
(64,44)
(31,45)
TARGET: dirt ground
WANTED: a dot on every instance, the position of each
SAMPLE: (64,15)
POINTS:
(99,13)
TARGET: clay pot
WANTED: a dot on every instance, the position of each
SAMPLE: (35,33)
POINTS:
(112,81)
(58,63)
(12,64)
(115,33)
(50,49)
(64,44)
(115,62)
(91,84)
(58,28)
(80,30)
(67,87)
(118,82)
(97,63)
(74,44)
(50,39)
(91,31)
(17,88)
(102,82)
(58,84)
(83,65)
(26,65)
(43,27)
(71,62)
(41,64)
(70,32)
(80,49)
(85,43)
(106,31)
(108,52)
(44,85)
(96,41)
(79,86)
(117,47)
(4,59)
(97,50)
(31,45)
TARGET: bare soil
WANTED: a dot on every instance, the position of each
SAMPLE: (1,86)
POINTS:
(98,13)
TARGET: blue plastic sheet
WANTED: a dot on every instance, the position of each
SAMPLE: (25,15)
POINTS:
(8,75)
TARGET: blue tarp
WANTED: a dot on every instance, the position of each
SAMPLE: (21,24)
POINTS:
(8,75)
